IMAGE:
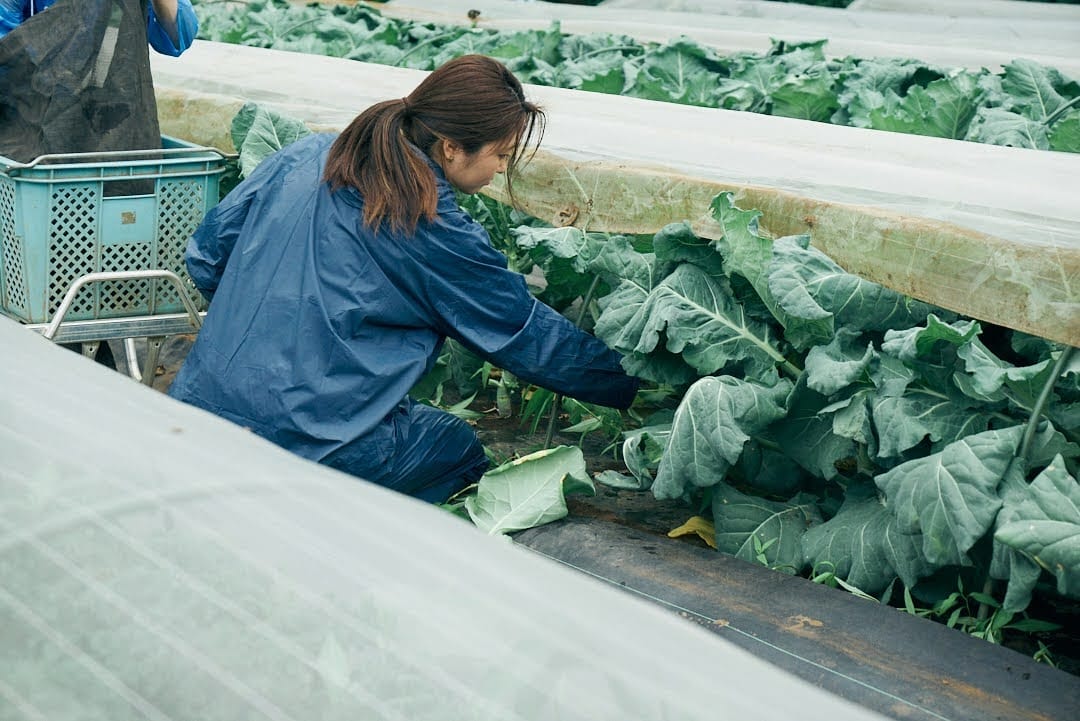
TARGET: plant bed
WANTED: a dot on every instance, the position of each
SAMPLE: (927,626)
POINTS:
(619,531)
(919,351)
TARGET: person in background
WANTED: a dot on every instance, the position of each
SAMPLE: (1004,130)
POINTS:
(89,91)
(171,25)
(338,268)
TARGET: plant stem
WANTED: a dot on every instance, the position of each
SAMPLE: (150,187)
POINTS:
(289,30)
(1025,444)
(1052,118)
(613,48)
(419,45)
(557,400)
(984,609)
(1041,401)
(502,395)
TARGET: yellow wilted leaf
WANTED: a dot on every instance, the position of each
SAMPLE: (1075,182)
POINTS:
(698,525)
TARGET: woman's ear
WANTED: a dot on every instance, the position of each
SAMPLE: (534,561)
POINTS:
(450,150)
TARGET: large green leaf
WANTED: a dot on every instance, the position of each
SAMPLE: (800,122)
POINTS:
(704,322)
(540,45)
(891,376)
(679,72)
(904,553)
(1045,526)
(1036,90)
(851,544)
(596,74)
(943,109)
(748,253)
(851,418)
(699,318)
(258,132)
(1033,100)
(998,126)
(925,343)
(951,497)
(843,361)
(529,491)
(568,243)
(807,97)
(990,377)
(1065,133)
(902,422)
(617,310)
(744,250)
(616,260)
(761,531)
(714,420)
(678,243)
(1008,563)
(808,435)
(448,43)
(563,254)
(622,318)
(808,284)
(791,80)
(864,83)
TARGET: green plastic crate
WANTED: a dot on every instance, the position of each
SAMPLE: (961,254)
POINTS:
(64,216)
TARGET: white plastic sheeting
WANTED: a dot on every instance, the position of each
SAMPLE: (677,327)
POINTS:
(1008,192)
(952,39)
(157,562)
(1014,9)
(1011,9)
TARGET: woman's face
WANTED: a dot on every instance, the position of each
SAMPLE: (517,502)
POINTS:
(469,173)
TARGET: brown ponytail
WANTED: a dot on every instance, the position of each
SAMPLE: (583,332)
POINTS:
(471,100)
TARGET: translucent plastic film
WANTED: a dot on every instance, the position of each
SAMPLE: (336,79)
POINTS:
(158,562)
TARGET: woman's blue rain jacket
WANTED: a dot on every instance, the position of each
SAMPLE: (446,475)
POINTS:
(319,327)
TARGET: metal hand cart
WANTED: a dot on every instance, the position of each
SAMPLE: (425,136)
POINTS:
(92,245)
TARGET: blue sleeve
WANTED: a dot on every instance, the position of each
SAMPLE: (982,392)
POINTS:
(489,309)
(187,27)
(213,241)
(11,15)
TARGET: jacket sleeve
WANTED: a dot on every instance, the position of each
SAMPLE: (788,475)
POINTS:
(552,352)
(187,27)
(489,309)
(212,243)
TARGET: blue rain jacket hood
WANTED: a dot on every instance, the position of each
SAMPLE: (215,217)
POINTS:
(319,326)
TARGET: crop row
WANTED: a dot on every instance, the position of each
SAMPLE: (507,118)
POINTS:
(1026,105)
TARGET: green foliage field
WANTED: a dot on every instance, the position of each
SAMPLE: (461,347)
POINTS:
(1027,105)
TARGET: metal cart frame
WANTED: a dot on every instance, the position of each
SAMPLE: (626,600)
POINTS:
(81,264)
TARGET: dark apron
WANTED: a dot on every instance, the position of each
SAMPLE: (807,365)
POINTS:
(76,78)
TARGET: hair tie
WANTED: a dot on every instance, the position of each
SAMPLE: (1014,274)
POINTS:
(406,106)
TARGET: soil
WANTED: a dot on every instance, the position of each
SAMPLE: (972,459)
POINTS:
(508,438)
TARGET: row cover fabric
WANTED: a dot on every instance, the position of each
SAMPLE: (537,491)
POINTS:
(319,327)
(887,206)
(159,562)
